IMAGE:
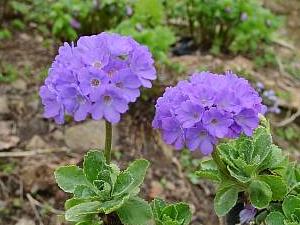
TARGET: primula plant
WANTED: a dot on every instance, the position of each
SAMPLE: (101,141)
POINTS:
(99,77)
(222,115)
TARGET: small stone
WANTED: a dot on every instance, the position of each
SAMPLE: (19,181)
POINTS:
(8,139)
(9,142)
(58,135)
(4,105)
(25,221)
(6,128)
(90,134)
(19,85)
(36,142)
(156,189)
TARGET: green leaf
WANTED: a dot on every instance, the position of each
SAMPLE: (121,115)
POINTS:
(184,213)
(123,183)
(105,175)
(170,211)
(208,170)
(290,203)
(225,199)
(114,204)
(83,191)
(277,184)
(262,143)
(68,177)
(90,223)
(94,162)
(138,170)
(157,206)
(103,189)
(135,211)
(260,194)
(73,201)
(79,212)
(275,218)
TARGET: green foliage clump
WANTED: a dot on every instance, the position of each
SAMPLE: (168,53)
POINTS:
(171,214)
(8,73)
(257,169)
(147,27)
(101,191)
(236,26)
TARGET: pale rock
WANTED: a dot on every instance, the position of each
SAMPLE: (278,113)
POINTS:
(88,135)
(25,221)
(4,105)
(36,142)
(19,84)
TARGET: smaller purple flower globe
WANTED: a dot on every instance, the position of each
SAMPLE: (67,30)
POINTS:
(98,77)
(208,107)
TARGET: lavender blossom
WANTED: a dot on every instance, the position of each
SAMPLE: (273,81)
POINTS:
(247,214)
(75,24)
(244,16)
(98,77)
(198,112)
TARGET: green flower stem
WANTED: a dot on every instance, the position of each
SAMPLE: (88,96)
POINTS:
(108,139)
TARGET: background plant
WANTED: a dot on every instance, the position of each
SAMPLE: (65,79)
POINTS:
(226,26)
(148,26)
(66,19)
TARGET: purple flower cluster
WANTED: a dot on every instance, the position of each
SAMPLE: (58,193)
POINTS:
(98,77)
(207,107)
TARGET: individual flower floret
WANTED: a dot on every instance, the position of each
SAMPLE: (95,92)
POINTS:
(207,107)
(99,76)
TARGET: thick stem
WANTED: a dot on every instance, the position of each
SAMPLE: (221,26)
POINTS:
(108,138)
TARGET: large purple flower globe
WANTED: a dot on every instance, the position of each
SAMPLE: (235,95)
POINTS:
(99,76)
(206,108)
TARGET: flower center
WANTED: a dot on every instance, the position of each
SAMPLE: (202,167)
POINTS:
(119,85)
(123,57)
(202,134)
(107,99)
(95,82)
(214,121)
(97,64)
(196,115)
(111,73)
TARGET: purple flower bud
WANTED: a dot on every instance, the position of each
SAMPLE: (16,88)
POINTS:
(207,107)
(98,77)
(260,85)
(75,24)
(244,16)
(247,214)
(129,10)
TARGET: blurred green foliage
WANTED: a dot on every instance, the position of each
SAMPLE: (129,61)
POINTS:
(229,26)
(68,18)
(8,73)
(147,26)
